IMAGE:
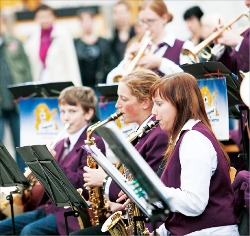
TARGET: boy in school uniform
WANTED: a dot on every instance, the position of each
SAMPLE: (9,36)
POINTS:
(77,108)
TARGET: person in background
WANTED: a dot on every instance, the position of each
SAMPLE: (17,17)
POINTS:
(51,50)
(235,55)
(139,33)
(166,55)
(136,105)
(14,69)
(123,30)
(94,53)
(77,108)
(192,17)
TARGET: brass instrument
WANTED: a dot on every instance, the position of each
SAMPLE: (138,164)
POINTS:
(129,65)
(98,202)
(114,224)
(200,49)
(150,125)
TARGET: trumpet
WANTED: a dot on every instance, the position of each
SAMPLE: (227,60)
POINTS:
(200,49)
(129,65)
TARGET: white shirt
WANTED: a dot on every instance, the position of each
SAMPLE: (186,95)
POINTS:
(73,138)
(198,160)
(167,66)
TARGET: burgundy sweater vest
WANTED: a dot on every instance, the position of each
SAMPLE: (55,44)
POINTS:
(219,210)
(172,53)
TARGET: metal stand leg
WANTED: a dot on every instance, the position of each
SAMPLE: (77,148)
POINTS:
(66,214)
(10,199)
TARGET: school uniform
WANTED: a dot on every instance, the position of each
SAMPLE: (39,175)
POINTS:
(48,219)
(198,186)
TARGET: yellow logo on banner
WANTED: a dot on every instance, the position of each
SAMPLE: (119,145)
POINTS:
(44,121)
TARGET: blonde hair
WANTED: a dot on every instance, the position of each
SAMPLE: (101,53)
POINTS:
(139,82)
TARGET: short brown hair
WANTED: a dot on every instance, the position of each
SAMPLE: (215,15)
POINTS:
(44,7)
(85,96)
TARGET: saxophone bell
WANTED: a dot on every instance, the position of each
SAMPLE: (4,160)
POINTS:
(115,225)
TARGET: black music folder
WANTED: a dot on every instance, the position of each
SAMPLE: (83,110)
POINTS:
(108,91)
(51,176)
(54,181)
(10,174)
(38,89)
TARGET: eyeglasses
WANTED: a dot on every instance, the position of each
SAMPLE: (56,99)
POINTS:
(148,22)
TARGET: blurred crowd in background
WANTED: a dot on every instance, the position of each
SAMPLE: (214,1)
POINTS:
(83,41)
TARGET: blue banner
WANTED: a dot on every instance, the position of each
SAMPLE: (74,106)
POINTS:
(214,93)
(39,120)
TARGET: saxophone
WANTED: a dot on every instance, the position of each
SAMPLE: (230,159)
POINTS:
(99,205)
(114,224)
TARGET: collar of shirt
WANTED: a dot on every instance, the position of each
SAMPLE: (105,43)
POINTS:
(188,126)
(74,137)
(144,123)
(169,39)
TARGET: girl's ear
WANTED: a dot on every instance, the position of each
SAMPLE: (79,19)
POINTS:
(165,18)
(147,103)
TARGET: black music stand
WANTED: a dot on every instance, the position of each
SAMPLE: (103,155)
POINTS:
(146,191)
(38,89)
(109,91)
(107,96)
(54,181)
(11,175)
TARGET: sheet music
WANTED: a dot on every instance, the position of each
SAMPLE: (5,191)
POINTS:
(142,172)
(118,178)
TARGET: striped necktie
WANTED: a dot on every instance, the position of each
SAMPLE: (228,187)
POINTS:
(66,148)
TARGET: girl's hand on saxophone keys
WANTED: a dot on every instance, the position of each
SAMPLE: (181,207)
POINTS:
(114,207)
(123,197)
(93,177)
